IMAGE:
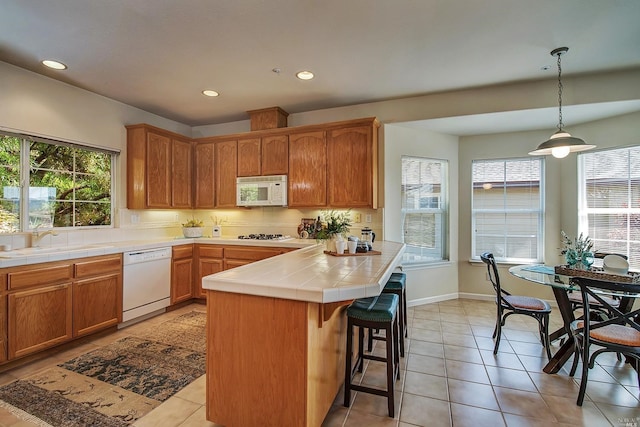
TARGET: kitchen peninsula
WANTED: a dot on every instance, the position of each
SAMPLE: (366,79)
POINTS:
(276,333)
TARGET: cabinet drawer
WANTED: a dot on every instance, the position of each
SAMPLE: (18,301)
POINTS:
(185,251)
(251,254)
(98,266)
(210,251)
(42,275)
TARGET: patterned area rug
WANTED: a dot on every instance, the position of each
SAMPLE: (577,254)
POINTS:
(117,384)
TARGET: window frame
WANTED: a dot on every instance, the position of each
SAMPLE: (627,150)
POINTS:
(25,175)
(442,212)
(540,211)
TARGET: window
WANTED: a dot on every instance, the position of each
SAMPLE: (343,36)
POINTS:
(68,185)
(609,201)
(507,209)
(424,209)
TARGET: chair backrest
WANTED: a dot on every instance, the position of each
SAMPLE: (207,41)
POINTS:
(492,273)
(592,289)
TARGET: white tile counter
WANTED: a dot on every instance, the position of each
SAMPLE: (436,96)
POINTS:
(311,275)
(26,256)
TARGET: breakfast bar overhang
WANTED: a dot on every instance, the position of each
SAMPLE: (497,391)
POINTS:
(276,333)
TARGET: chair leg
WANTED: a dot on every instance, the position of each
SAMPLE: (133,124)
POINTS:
(360,359)
(585,374)
(545,340)
(497,333)
(347,369)
(391,358)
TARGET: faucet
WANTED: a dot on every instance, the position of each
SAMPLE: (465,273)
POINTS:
(37,235)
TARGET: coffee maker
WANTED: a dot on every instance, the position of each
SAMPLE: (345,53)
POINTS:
(368,236)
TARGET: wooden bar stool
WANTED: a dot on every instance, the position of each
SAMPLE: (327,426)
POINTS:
(379,312)
(396,285)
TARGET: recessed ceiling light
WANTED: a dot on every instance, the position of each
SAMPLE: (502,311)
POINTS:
(54,64)
(209,92)
(304,75)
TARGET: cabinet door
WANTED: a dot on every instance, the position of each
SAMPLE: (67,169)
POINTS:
(158,171)
(3,328)
(181,280)
(226,173)
(204,176)
(350,167)
(97,303)
(181,174)
(39,318)
(275,155)
(206,266)
(307,170)
(249,157)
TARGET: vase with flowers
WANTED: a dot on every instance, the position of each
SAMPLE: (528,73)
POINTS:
(335,226)
(577,252)
(192,228)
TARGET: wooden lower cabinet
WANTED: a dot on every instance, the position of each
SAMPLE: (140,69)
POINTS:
(3,328)
(97,303)
(51,303)
(39,318)
(182,273)
(210,261)
(237,256)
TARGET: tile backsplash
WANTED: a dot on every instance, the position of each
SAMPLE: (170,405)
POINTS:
(132,225)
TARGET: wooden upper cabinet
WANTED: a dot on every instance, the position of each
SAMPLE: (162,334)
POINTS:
(226,170)
(158,171)
(159,167)
(307,183)
(275,155)
(351,166)
(181,174)
(204,154)
(268,155)
(249,157)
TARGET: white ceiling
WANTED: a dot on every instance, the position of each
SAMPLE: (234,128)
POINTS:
(159,55)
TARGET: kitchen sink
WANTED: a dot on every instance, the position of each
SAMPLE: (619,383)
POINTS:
(50,250)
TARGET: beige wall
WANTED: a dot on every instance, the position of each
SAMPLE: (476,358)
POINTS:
(433,282)
(36,104)
(560,192)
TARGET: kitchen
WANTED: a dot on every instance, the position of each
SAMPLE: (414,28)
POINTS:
(104,126)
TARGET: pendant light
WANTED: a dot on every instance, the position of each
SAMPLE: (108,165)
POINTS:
(561,143)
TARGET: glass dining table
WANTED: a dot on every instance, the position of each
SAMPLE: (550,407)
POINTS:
(561,285)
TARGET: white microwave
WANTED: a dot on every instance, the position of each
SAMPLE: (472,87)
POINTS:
(261,190)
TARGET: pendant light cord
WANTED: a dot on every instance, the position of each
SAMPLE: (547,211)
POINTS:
(559,93)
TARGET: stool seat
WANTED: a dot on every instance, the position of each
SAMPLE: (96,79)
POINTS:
(394,285)
(381,308)
(398,277)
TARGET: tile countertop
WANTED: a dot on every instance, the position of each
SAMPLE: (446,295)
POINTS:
(311,275)
(28,256)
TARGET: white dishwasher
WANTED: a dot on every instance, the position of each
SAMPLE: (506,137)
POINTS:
(146,282)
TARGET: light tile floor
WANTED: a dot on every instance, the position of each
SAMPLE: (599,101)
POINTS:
(449,377)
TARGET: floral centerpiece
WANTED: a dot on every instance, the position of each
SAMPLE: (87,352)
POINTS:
(335,225)
(577,252)
(192,228)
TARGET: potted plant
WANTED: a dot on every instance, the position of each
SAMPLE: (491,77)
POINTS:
(192,228)
(577,252)
(335,226)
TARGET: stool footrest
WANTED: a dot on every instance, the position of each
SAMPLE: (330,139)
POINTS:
(369,390)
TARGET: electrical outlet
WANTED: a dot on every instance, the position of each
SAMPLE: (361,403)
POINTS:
(367,218)
(357,218)
(135,218)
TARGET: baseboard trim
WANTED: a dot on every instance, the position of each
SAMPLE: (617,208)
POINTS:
(431,300)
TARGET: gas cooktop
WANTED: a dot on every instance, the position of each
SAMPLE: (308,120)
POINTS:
(263,236)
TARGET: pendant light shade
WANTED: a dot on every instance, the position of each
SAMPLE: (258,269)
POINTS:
(561,143)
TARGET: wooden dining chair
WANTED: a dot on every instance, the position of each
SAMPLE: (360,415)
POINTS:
(620,333)
(508,304)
